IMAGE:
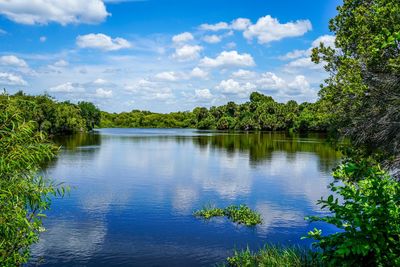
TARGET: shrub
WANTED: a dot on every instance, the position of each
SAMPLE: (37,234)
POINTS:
(367,215)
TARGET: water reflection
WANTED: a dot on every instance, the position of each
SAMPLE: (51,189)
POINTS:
(136,190)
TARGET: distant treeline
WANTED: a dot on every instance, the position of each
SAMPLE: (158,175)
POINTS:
(51,116)
(260,113)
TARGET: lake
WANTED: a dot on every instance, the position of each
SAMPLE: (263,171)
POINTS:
(135,191)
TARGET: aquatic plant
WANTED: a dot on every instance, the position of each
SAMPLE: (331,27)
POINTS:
(240,214)
(272,255)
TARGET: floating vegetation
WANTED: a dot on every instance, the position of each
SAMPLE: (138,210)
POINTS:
(240,214)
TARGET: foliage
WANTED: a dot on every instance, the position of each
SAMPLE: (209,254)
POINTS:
(239,214)
(24,196)
(274,256)
(363,89)
(365,206)
(54,117)
(261,113)
(209,212)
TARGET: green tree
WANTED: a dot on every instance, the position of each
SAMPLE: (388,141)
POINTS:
(90,113)
(24,195)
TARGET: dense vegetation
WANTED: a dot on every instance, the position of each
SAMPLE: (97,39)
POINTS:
(23,194)
(53,117)
(260,113)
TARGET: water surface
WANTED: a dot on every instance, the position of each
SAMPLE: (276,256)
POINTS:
(136,189)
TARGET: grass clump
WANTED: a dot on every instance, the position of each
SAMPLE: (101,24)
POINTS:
(240,214)
(274,256)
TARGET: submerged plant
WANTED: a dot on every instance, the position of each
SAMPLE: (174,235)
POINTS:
(240,214)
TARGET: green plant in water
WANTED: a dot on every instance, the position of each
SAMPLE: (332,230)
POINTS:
(209,211)
(274,256)
(240,214)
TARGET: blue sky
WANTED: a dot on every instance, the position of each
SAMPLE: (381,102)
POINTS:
(163,55)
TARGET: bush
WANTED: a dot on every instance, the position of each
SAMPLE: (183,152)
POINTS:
(23,195)
(367,214)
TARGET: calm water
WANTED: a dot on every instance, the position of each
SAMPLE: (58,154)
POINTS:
(136,189)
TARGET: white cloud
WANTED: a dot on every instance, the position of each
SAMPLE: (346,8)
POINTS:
(149,90)
(198,73)
(43,39)
(11,79)
(45,11)
(240,24)
(212,39)
(103,93)
(183,37)
(67,87)
(327,40)
(61,63)
(269,80)
(243,74)
(228,59)
(301,63)
(302,58)
(100,81)
(268,29)
(170,76)
(203,94)
(215,27)
(102,42)
(13,61)
(295,54)
(231,86)
(300,83)
(187,52)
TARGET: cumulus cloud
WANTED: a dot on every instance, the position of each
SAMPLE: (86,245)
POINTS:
(231,86)
(215,27)
(268,29)
(102,42)
(103,93)
(243,74)
(11,79)
(228,59)
(149,90)
(13,61)
(187,52)
(183,37)
(327,40)
(67,87)
(301,59)
(269,80)
(62,12)
(212,39)
(170,76)
(198,73)
(203,94)
(240,24)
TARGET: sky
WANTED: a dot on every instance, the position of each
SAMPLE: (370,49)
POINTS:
(163,55)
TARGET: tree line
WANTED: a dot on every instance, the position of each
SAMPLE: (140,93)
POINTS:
(260,113)
(50,116)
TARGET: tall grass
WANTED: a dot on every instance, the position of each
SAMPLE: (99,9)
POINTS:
(274,256)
